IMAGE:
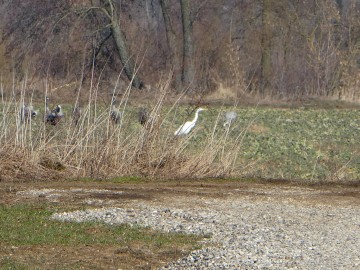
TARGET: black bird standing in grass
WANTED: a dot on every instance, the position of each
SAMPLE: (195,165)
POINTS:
(143,116)
(53,117)
(115,115)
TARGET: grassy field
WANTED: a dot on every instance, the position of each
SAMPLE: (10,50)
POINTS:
(278,143)
(316,145)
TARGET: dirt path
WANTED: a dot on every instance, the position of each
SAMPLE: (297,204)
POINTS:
(77,192)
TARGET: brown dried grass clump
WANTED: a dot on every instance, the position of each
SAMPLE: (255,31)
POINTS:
(17,166)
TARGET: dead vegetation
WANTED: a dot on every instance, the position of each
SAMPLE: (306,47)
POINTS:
(98,147)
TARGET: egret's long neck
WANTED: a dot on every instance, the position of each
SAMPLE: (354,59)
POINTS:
(196,117)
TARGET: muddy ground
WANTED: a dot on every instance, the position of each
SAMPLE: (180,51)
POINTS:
(85,194)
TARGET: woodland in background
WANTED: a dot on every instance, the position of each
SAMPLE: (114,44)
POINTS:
(266,48)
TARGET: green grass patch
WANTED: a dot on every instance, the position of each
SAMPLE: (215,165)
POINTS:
(121,179)
(31,225)
(11,264)
(31,240)
(128,179)
(294,144)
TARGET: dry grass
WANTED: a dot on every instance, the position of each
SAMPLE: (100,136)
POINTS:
(98,148)
(264,142)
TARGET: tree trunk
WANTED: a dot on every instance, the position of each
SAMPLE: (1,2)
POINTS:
(266,49)
(172,44)
(121,46)
(340,5)
(188,68)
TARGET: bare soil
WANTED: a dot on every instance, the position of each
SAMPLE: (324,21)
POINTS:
(80,194)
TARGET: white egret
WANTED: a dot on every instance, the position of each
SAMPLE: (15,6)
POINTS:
(188,126)
(229,118)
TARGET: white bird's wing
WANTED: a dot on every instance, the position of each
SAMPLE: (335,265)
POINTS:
(177,132)
(185,128)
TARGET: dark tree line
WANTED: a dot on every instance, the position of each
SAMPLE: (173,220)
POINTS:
(277,48)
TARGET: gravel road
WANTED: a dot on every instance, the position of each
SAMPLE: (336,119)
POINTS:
(261,228)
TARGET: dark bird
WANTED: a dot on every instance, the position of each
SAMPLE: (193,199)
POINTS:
(143,116)
(115,115)
(27,112)
(229,118)
(54,117)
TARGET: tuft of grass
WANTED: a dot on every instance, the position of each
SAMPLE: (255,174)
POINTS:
(128,179)
(11,264)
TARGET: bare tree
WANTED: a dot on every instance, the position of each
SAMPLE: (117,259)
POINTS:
(188,67)
(266,50)
(274,48)
(120,42)
(172,42)
(57,33)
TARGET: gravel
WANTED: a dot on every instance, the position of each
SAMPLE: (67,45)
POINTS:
(247,232)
